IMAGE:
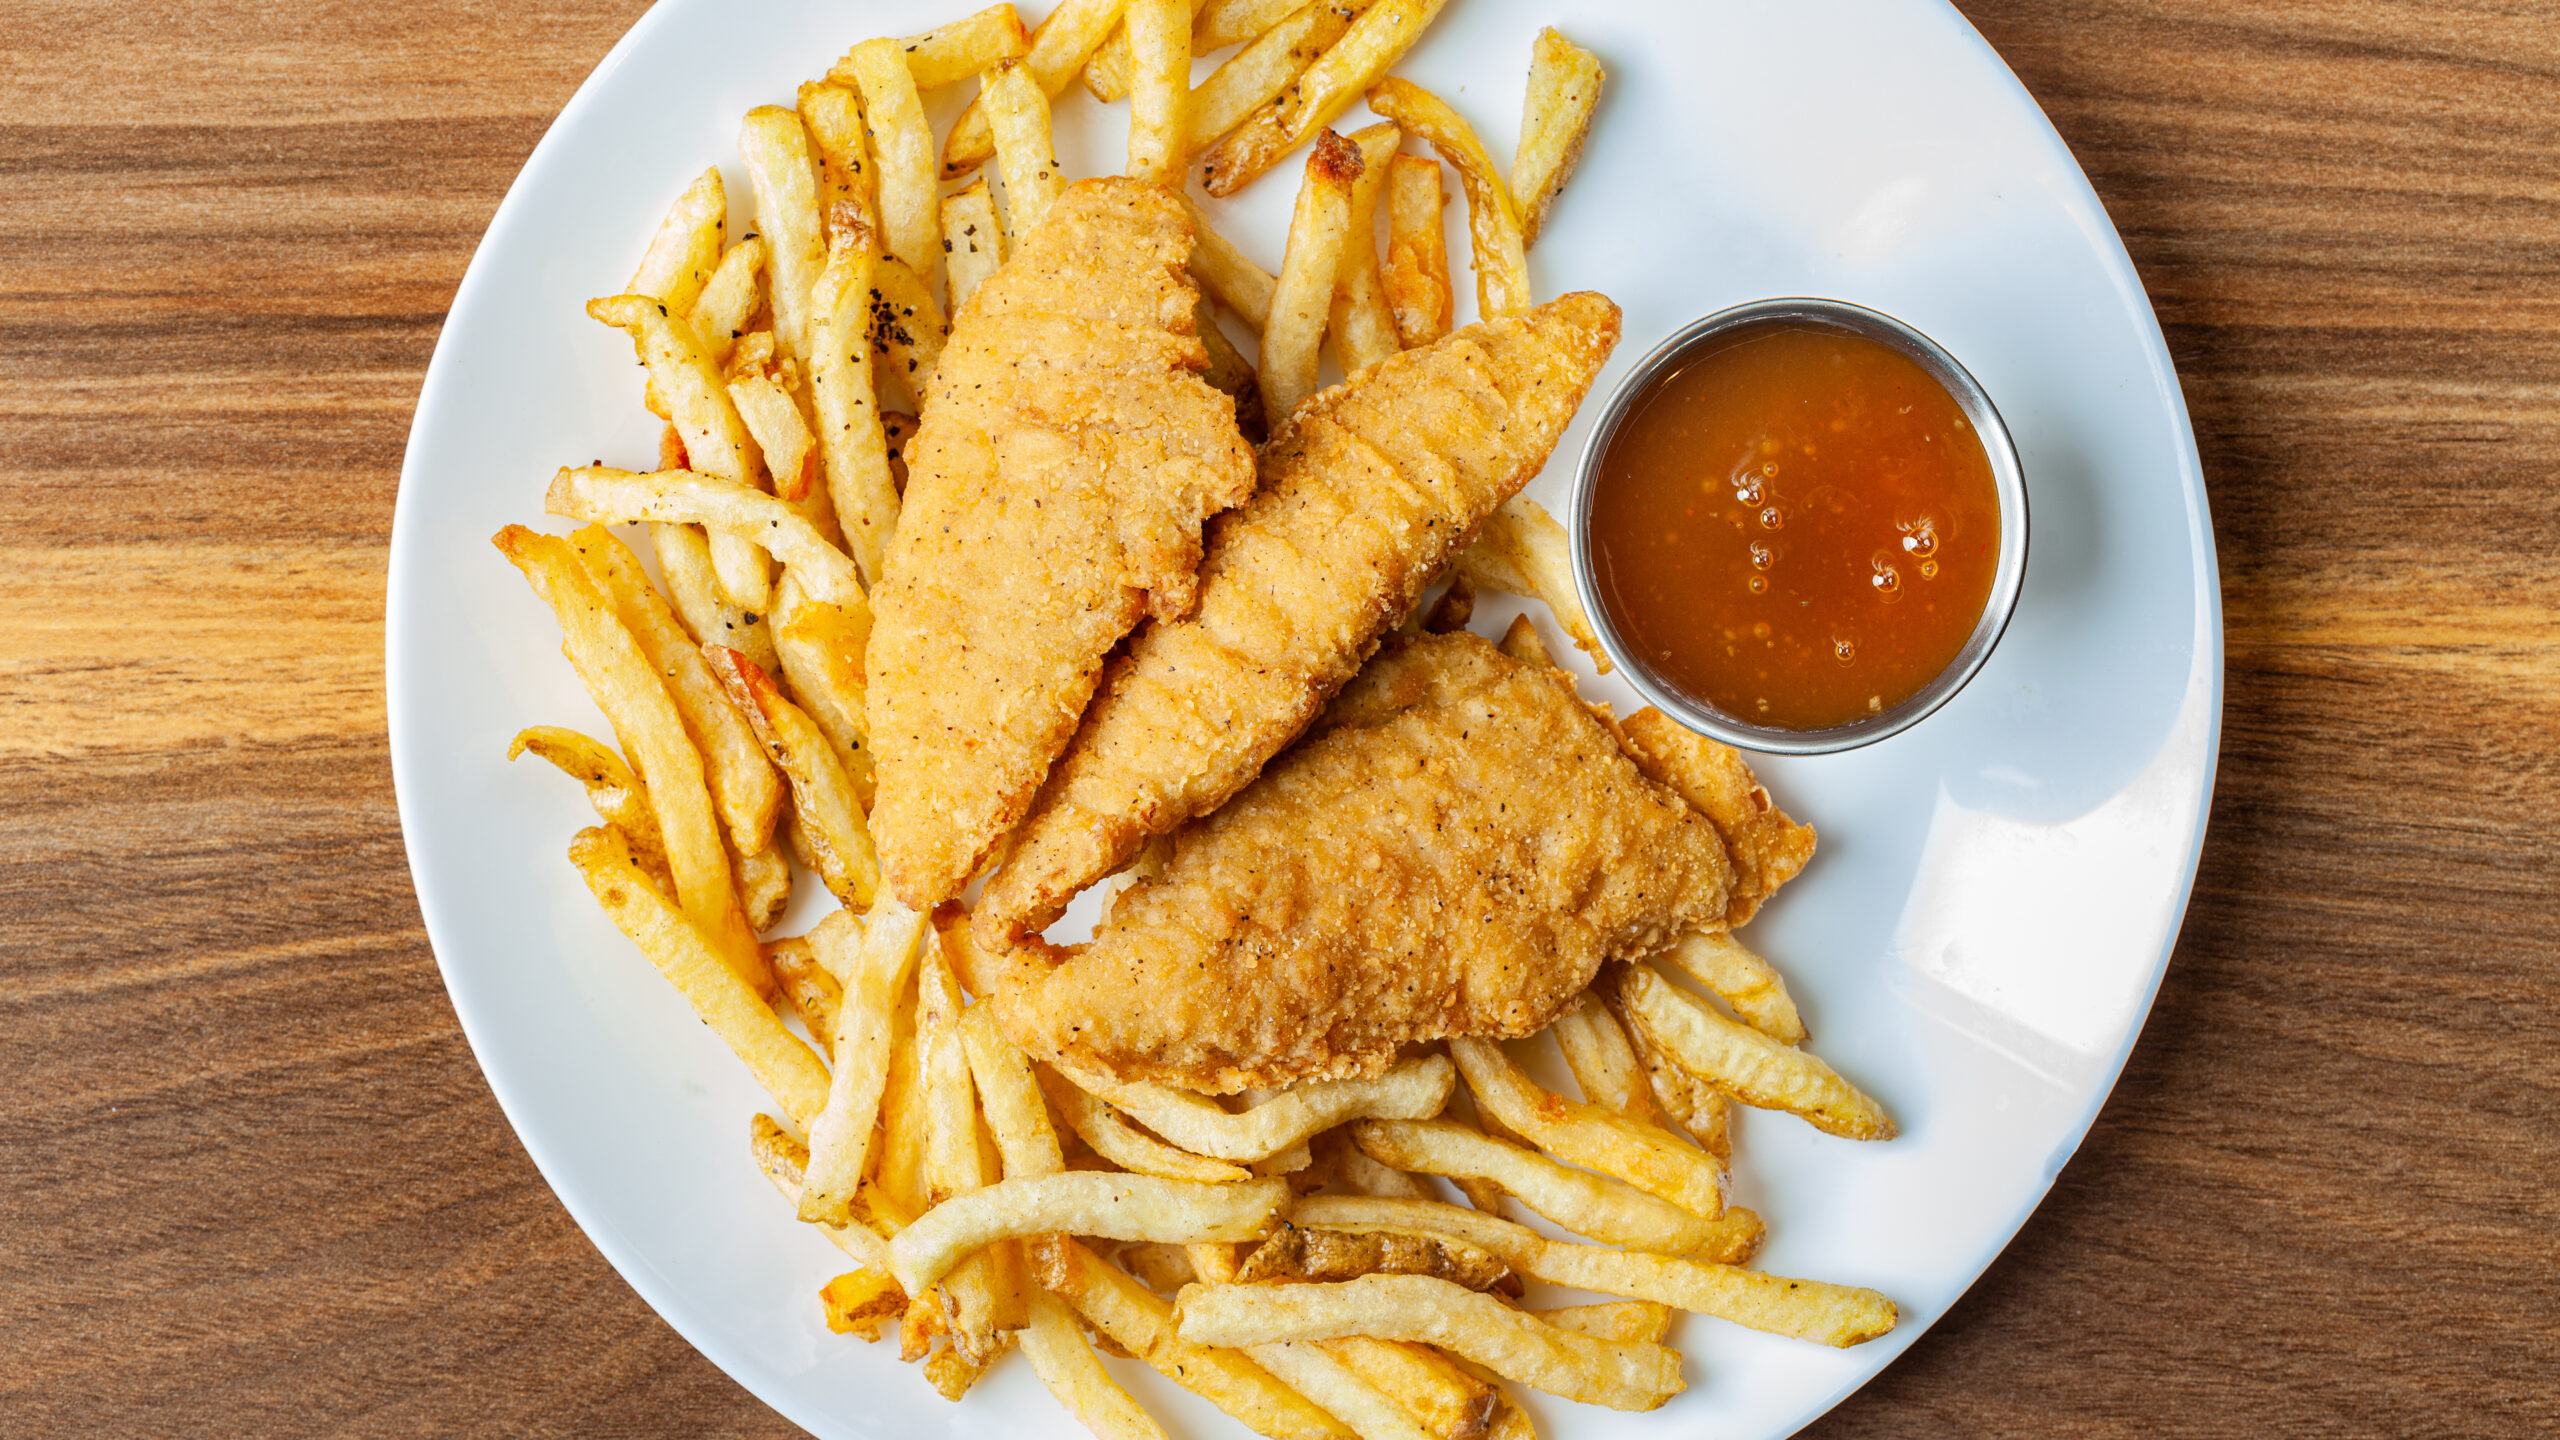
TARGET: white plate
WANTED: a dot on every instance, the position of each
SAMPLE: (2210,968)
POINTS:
(1977,941)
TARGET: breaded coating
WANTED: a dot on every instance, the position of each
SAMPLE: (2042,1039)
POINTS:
(1367,493)
(1766,846)
(1067,455)
(1454,849)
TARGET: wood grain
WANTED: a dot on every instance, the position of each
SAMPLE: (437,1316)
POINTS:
(257,1186)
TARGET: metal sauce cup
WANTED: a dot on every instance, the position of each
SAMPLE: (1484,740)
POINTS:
(2007,478)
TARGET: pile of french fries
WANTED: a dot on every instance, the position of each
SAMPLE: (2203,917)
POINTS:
(1291,1259)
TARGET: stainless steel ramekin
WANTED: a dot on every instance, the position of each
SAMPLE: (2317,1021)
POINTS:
(2006,475)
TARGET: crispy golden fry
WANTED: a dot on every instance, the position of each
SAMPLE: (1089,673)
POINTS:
(620,799)
(951,1139)
(1230,278)
(710,616)
(822,794)
(1767,847)
(1741,979)
(1607,1210)
(902,149)
(730,298)
(1114,1139)
(859,1302)
(1603,1062)
(673,943)
(870,962)
(1436,1312)
(715,439)
(820,655)
(1080,1202)
(905,1115)
(1414,1089)
(1450,1403)
(1025,152)
(775,147)
(1804,1309)
(744,789)
(1161,1268)
(764,883)
(807,987)
(686,248)
(1521,551)
(1233,22)
(1555,118)
(1641,1322)
(1318,230)
(1364,331)
(1108,74)
(1011,1098)
(781,436)
(1230,371)
(617,497)
(1159,34)
(951,1372)
(1746,1064)
(1702,1109)
(1214,1261)
(1143,1324)
(1296,1252)
(1646,1156)
(1510,1422)
(949,54)
(908,329)
(1260,71)
(1322,1377)
(1364,1176)
(651,728)
(1493,218)
(784,1160)
(1375,41)
(1068,1366)
(848,187)
(1065,38)
(1417,271)
(843,392)
(972,241)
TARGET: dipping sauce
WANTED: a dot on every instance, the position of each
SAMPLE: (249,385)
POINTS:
(1798,526)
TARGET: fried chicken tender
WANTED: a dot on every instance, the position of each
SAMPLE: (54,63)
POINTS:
(1067,455)
(1454,849)
(1367,493)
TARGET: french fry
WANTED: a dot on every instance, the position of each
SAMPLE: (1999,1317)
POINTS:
(907,328)
(949,54)
(1230,278)
(618,497)
(902,150)
(1647,1157)
(1143,1324)
(807,987)
(785,1161)
(1510,1422)
(1230,372)
(1702,1109)
(972,241)
(870,962)
(1107,76)
(709,615)
(700,972)
(1493,218)
(1159,34)
(651,729)
(686,248)
(1521,551)
(1298,1252)
(1011,1097)
(1607,1210)
(617,795)
(848,187)
(859,1302)
(1435,1312)
(1253,76)
(1233,22)
(1640,1322)
(1363,329)
(984,1295)
(843,392)
(780,434)
(905,1115)
(1414,1089)
(715,439)
(1450,1403)
(1555,118)
(1061,44)
(822,794)
(1067,1365)
(763,881)
(1746,1064)
(1213,1261)
(1768,848)
(775,146)
(729,299)
(1099,1125)
(1603,1062)
(1018,117)
(1417,271)
(1080,1202)
(744,790)
(1161,1268)
(1374,42)
(1741,979)
(1322,1377)
(1365,1176)
(1318,229)
(820,649)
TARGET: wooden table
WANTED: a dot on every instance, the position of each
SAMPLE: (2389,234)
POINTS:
(254,1183)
